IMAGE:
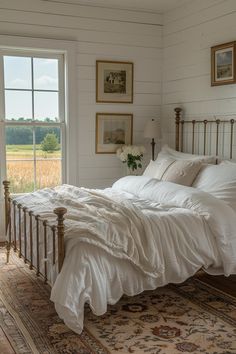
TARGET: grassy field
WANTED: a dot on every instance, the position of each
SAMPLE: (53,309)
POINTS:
(20,168)
(26,151)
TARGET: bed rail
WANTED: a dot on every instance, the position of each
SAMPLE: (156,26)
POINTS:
(25,218)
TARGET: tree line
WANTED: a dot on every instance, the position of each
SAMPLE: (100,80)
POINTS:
(23,135)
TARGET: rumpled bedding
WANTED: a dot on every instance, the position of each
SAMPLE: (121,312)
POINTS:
(140,234)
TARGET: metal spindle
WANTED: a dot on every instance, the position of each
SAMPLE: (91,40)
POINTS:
(204,144)
(19,228)
(25,238)
(182,136)
(37,245)
(45,251)
(217,136)
(6,185)
(54,244)
(31,240)
(177,120)
(193,135)
(231,137)
(14,224)
(10,238)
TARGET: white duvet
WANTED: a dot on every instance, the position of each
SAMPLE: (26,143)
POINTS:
(138,235)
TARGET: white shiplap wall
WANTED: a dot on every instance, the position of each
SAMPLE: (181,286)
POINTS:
(188,34)
(100,33)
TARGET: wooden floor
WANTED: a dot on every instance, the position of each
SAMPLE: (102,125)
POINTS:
(226,284)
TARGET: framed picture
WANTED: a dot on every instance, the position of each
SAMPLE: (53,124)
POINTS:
(223,68)
(114,81)
(112,131)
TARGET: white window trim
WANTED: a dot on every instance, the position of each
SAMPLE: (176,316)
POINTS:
(68,49)
(33,123)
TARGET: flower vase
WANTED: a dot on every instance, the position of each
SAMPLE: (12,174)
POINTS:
(130,171)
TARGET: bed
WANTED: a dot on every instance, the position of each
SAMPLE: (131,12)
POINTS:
(92,246)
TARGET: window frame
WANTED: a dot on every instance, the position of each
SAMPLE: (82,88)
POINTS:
(68,48)
(34,123)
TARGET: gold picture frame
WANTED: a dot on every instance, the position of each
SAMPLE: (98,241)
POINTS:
(114,81)
(112,131)
(223,64)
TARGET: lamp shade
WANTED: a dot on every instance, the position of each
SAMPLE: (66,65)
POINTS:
(152,129)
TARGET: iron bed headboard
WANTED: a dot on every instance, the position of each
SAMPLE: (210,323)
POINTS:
(180,124)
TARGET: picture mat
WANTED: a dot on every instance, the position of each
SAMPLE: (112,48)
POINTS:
(113,131)
(103,68)
(222,55)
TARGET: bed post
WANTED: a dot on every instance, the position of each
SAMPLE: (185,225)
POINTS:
(6,185)
(177,124)
(60,212)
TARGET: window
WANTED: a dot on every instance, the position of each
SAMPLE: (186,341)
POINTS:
(32,126)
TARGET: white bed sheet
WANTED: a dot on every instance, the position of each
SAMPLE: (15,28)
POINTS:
(171,232)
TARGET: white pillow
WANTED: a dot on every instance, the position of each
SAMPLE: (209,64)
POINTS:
(156,168)
(150,170)
(177,171)
(219,180)
(166,151)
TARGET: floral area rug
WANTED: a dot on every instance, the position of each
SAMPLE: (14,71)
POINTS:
(188,318)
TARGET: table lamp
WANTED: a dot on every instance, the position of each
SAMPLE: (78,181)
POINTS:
(152,131)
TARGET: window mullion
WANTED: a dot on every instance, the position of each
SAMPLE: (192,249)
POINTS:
(62,110)
(33,123)
(29,90)
(34,155)
(34,140)
(2,125)
(32,84)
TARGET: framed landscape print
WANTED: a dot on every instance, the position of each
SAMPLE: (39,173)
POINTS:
(223,69)
(112,131)
(114,81)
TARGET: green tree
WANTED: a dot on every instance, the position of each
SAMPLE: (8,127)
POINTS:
(50,143)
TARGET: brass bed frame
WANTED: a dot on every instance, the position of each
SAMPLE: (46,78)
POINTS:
(58,229)
(179,133)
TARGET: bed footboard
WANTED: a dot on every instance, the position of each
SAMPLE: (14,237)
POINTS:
(19,219)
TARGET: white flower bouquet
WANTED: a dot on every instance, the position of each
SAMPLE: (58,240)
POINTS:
(131,155)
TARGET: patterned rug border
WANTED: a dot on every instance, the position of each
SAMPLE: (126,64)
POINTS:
(87,338)
(230,299)
(233,298)
(20,325)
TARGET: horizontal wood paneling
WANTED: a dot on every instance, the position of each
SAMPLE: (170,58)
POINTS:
(189,32)
(206,14)
(83,24)
(189,8)
(100,33)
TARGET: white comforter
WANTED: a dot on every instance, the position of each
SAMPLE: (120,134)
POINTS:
(137,235)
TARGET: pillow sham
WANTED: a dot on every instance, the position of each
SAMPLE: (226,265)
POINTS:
(156,169)
(177,171)
(166,151)
(218,180)
(182,172)
(151,169)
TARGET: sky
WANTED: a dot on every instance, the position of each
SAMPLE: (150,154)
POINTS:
(18,74)
(224,57)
